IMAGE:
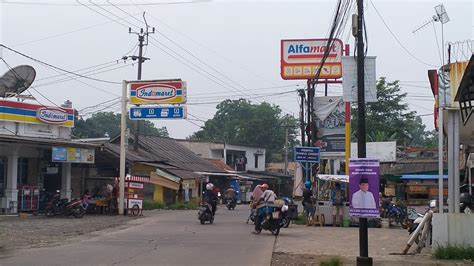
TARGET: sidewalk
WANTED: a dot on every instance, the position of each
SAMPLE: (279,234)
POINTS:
(303,245)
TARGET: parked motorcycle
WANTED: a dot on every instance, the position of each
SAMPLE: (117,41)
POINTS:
(417,221)
(205,213)
(465,203)
(230,204)
(397,214)
(58,206)
(272,217)
(285,214)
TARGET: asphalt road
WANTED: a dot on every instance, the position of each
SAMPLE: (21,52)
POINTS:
(163,238)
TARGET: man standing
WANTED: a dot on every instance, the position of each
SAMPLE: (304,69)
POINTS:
(337,199)
(363,198)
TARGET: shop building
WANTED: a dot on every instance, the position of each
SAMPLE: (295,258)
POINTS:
(37,153)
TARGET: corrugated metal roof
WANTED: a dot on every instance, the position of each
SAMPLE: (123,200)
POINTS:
(176,154)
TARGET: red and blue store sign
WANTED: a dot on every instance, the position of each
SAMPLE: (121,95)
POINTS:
(36,114)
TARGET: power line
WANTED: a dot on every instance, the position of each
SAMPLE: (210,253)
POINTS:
(395,37)
(120,4)
(55,67)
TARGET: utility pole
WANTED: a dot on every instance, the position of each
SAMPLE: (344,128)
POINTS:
(141,42)
(363,258)
(286,146)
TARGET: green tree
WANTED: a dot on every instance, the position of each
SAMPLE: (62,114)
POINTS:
(241,122)
(103,123)
(389,118)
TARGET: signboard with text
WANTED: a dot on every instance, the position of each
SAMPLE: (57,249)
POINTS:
(364,181)
(178,112)
(307,154)
(158,92)
(73,155)
(301,59)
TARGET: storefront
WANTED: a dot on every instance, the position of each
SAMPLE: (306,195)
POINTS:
(29,134)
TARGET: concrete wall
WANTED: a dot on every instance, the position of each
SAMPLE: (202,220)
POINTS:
(453,229)
(206,150)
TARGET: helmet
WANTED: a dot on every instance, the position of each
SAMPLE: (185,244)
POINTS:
(264,185)
(307,184)
(209,186)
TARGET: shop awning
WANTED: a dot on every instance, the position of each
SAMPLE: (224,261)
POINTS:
(164,179)
(424,177)
(134,178)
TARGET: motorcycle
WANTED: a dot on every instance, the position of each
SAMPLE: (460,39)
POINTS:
(465,203)
(58,206)
(230,204)
(397,214)
(205,213)
(272,217)
(417,221)
(285,214)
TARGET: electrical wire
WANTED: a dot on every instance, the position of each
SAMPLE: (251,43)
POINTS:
(57,68)
(396,39)
(120,4)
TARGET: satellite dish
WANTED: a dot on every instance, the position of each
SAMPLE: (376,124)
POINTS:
(16,80)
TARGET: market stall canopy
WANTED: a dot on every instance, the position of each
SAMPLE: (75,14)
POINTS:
(335,178)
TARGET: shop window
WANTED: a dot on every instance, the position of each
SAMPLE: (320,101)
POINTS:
(3,175)
(22,171)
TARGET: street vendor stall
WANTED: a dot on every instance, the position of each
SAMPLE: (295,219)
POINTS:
(325,185)
(134,196)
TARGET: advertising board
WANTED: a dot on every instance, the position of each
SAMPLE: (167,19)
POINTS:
(301,59)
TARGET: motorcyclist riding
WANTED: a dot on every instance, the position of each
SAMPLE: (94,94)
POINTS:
(268,196)
(210,197)
(230,194)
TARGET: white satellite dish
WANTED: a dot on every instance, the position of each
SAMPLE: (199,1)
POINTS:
(16,80)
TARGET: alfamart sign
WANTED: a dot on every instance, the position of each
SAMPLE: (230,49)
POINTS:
(301,59)
(156,92)
(36,114)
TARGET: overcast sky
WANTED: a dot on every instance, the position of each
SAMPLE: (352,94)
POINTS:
(222,49)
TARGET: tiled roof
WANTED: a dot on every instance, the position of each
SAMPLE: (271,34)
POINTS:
(220,164)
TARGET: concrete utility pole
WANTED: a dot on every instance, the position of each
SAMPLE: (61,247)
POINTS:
(141,39)
(363,258)
(286,145)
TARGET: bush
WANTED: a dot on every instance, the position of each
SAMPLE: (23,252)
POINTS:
(454,253)
(300,220)
(333,261)
(152,205)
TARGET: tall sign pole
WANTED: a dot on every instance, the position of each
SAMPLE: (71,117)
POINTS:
(123,125)
(363,258)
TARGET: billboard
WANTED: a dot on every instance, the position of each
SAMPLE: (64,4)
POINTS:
(73,155)
(384,151)
(349,80)
(330,122)
(157,92)
(364,181)
(301,59)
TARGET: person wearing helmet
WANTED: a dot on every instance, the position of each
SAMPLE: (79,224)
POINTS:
(308,203)
(210,197)
(268,196)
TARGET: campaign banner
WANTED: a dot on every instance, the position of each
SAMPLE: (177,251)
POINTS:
(364,182)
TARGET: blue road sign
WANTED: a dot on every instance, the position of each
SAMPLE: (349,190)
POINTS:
(307,154)
(172,112)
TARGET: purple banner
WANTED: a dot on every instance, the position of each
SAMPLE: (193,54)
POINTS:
(364,182)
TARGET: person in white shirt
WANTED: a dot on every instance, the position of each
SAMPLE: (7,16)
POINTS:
(363,198)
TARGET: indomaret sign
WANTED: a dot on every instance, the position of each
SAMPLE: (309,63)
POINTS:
(301,59)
